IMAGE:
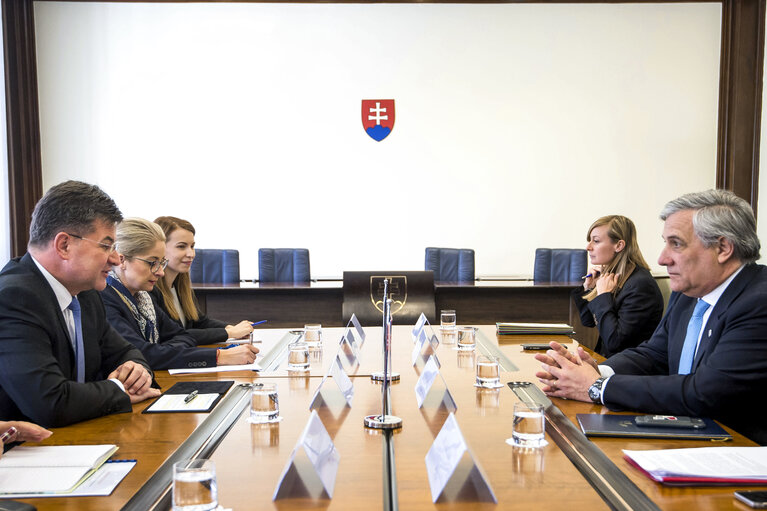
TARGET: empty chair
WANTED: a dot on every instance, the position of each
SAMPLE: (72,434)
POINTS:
(450,264)
(559,264)
(215,266)
(283,265)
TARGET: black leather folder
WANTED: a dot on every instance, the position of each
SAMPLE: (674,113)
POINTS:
(611,425)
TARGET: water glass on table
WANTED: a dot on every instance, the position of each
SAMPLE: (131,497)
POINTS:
(528,426)
(313,335)
(488,372)
(264,404)
(194,485)
(298,356)
(467,338)
(447,326)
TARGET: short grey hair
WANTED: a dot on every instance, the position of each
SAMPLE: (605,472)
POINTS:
(720,214)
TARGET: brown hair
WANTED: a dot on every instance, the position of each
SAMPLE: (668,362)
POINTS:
(619,228)
(183,283)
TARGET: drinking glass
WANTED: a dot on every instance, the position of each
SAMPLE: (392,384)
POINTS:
(447,319)
(313,335)
(467,338)
(528,427)
(488,372)
(194,485)
(298,356)
(264,404)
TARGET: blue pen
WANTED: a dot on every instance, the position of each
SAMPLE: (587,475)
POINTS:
(258,322)
(229,346)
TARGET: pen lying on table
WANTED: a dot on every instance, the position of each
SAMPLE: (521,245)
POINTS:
(188,399)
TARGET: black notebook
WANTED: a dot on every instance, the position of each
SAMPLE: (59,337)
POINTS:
(198,397)
(593,424)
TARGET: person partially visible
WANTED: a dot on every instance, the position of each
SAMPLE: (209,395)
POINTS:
(708,356)
(60,361)
(619,295)
(174,295)
(24,431)
(133,313)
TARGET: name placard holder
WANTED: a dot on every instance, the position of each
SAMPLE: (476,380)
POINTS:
(312,467)
(419,326)
(454,474)
(323,395)
(426,392)
(424,348)
(353,321)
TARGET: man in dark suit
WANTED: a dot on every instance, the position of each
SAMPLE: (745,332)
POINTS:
(60,361)
(708,356)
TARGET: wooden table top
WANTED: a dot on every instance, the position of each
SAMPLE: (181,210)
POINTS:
(251,458)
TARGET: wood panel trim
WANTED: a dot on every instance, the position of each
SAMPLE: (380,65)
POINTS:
(25,175)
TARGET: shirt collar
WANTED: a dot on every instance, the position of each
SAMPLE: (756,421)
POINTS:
(62,295)
(713,297)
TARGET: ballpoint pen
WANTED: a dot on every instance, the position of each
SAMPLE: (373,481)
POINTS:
(8,434)
(258,322)
(188,399)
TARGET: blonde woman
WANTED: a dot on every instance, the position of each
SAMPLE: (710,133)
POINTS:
(132,312)
(619,295)
(174,295)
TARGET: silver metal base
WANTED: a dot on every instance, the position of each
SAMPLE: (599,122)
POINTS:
(379,376)
(383,422)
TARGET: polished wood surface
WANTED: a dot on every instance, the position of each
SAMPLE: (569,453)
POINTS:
(251,458)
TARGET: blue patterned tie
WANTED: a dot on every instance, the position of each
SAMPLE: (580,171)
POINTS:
(78,340)
(691,339)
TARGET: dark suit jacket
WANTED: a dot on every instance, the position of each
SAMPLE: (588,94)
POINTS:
(175,350)
(730,367)
(205,330)
(37,363)
(627,319)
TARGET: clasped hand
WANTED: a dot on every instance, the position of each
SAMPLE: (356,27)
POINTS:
(565,374)
(136,380)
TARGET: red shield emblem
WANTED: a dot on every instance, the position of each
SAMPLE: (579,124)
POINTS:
(378,117)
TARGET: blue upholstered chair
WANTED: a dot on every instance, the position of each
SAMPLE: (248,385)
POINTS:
(215,266)
(559,264)
(283,265)
(450,264)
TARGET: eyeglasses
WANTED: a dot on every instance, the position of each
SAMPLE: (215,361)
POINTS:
(109,247)
(156,265)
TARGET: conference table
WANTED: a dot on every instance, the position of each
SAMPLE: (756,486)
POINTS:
(377,469)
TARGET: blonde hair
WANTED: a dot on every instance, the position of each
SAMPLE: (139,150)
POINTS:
(183,283)
(136,236)
(619,228)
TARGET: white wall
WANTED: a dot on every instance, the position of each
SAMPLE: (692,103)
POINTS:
(516,125)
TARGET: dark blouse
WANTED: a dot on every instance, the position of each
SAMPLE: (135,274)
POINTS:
(204,330)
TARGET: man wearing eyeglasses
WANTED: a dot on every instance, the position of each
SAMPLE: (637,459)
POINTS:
(60,360)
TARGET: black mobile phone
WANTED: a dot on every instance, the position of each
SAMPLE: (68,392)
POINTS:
(537,346)
(669,421)
(755,499)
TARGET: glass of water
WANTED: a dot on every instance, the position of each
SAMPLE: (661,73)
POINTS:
(298,356)
(467,338)
(528,427)
(447,319)
(194,485)
(313,335)
(264,404)
(488,372)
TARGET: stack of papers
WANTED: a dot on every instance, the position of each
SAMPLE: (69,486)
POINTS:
(534,328)
(50,468)
(703,465)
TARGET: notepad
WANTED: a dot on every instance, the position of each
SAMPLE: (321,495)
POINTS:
(50,468)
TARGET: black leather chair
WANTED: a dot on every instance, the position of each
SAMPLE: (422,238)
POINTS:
(215,266)
(450,264)
(559,265)
(283,265)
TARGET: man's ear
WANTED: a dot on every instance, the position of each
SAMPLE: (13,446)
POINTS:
(62,243)
(725,249)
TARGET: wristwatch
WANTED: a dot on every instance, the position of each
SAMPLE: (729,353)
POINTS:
(595,391)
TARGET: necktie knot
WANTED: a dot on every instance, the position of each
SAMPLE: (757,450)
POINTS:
(74,305)
(700,309)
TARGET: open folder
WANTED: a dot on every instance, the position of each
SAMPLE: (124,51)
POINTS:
(50,468)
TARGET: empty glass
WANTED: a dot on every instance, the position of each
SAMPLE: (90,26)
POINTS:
(488,372)
(313,335)
(194,485)
(447,319)
(467,338)
(298,356)
(264,404)
(528,427)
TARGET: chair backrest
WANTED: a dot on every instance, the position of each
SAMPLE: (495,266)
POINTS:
(450,264)
(412,292)
(215,266)
(559,264)
(283,265)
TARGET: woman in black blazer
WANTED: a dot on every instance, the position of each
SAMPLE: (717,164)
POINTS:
(619,295)
(174,294)
(132,312)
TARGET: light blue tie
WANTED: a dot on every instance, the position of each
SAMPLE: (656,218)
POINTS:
(691,339)
(78,340)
